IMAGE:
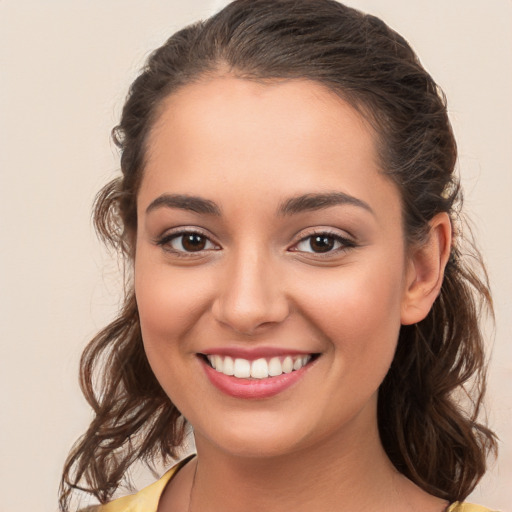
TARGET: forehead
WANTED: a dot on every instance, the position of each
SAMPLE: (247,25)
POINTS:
(299,110)
(291,137)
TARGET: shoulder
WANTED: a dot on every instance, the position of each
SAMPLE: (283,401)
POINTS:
(468,507)
(145,500)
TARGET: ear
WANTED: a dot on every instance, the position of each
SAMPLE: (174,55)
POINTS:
(425,270)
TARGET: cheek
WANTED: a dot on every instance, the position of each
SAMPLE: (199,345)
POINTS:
(358,310)
(170,301)
(355,294)
(171,304)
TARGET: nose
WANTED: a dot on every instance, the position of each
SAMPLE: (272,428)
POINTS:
(252,296)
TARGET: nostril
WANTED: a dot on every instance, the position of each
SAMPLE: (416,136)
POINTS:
(251,295)
(249,318)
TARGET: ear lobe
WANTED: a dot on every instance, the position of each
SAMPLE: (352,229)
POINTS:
(425,271)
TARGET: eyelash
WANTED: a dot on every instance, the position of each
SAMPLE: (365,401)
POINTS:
(166,240)
(344,244)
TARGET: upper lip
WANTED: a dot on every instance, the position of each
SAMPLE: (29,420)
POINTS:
(253,353)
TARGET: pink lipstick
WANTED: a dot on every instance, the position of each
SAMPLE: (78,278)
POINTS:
(255,374)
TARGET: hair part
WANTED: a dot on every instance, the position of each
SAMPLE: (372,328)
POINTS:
(427,434)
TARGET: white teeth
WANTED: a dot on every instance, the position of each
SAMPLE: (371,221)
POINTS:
(218,363)
(288,364)
(274,367)
(242,368)
(228,366)
(259,368)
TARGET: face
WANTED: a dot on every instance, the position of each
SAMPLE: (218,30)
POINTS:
(269,245)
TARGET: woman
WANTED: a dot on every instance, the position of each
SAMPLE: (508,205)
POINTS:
(299,294)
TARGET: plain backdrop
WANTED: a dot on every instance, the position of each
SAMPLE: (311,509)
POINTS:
(65,67)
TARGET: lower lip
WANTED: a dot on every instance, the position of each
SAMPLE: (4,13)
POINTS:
(253,388)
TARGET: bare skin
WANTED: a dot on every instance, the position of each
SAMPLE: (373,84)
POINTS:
(357,484)
(244,152)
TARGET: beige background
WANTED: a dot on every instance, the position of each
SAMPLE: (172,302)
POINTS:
(65,66)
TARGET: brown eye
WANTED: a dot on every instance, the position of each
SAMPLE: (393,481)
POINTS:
(321,243)
(188,243)
(193,242)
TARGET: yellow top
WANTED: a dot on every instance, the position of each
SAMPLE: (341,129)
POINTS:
(147,499)
(465,507)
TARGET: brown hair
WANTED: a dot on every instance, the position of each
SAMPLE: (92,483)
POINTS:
(426,431)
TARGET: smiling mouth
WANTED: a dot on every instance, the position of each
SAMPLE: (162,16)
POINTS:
(258,369)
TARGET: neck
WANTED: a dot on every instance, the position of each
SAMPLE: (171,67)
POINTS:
(352,470)
(347,470)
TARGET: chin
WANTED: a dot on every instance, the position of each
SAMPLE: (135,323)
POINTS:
(258,437)
(261,447)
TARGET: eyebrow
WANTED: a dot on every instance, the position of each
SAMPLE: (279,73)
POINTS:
(311,202)
(184,202)
(292,206)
